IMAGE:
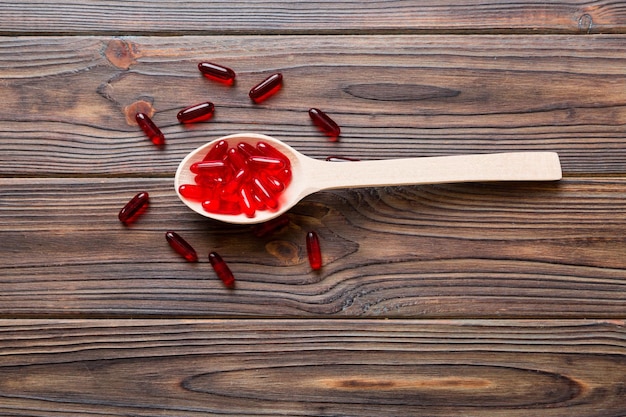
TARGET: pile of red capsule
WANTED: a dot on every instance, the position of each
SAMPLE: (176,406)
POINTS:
(239,179)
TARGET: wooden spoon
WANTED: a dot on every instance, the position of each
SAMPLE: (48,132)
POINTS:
(312,175)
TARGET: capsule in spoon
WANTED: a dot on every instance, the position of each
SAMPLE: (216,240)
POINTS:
(310,175)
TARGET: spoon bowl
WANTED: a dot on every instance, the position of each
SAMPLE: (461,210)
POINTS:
(311,175)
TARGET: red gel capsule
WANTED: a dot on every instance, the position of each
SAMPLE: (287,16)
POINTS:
(236,159)
(313,250)
(208,181)
(272,183)
(247,150)
(240,177)
(134,208)
(266,88)
(208,167)
(222,270)
(211,205)
(181,246)
(325,123)
(246,202)
(150,129)
(284,176)
(264,195)
(194,192)
(217,152)
(229,207)
(270,226)
(217,72)
(268,150)
(196,113)
(266,162)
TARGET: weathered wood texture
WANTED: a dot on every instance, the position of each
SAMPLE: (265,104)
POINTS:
(159,336)
(289,16)
(310,368)
(469,250)
(66,100)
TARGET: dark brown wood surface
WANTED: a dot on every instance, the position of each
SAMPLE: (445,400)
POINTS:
(310,17)
(312,367)
(444,300)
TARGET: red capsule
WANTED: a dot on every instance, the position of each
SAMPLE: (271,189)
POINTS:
(240,177)
(264,195)
(217,152)
(270,226)
(211,205)
(266,162)
(196,113)
(268,150)
(150,129)
(335,158)
(229,207)
(266,88)
(284,176)
(272,183)
(325,123)
(222,270)
(248,207)
(181,246)
(236,159)
(247,150)
(313,250)
(208,167)
(136,206)
(217,72)
(195,192)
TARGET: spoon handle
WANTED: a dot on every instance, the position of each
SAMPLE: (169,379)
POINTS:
(513,166)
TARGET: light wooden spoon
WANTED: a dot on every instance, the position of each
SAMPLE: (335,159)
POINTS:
(311,175)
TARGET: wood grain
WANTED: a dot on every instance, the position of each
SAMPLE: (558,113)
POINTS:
(395,96)
(464,250)
(301,16)
(491,299)
(312,368)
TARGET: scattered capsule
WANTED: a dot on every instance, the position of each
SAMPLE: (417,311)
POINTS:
(131,211)
(325,123)
(270,226)
(150,129)
(335,158)
(313,250)
(196,113)
(217,72)
(266,88)
(222,270)
(181,246)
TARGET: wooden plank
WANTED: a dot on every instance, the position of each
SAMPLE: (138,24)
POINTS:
(66,100)
(465,250)
(298,16)
(312,368)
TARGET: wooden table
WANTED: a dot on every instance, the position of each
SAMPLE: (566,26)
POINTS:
(491,299)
